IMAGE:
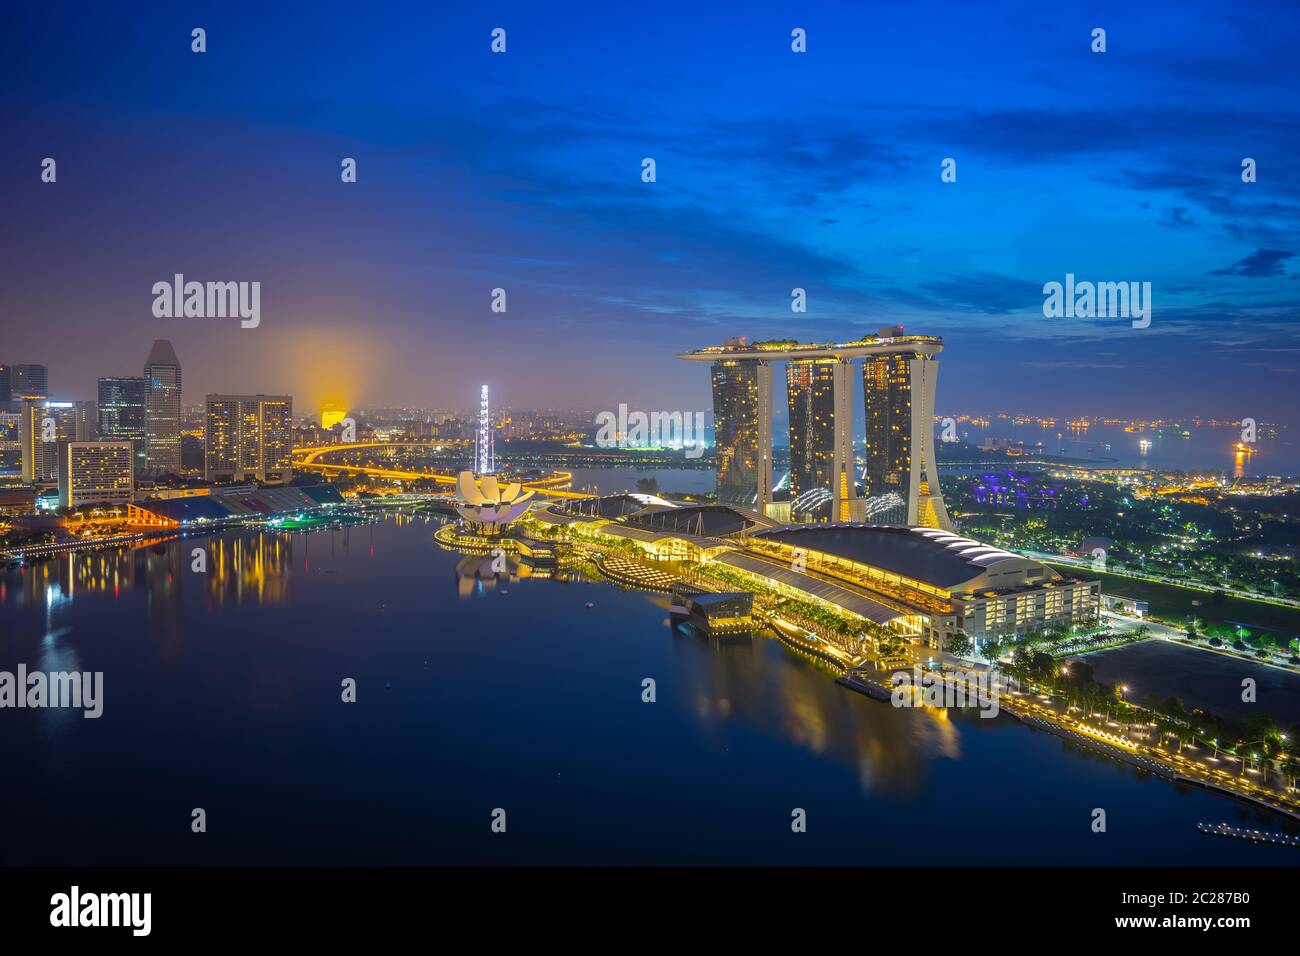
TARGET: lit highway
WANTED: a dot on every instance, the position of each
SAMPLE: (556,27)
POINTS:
(306,459)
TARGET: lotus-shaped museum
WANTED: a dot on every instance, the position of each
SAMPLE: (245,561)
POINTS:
(488,505)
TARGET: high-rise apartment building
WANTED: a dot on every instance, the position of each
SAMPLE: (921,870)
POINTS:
(248,436)
(122,413)
(162,440)
(101,472)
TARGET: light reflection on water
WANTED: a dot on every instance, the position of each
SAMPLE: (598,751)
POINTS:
(227,682)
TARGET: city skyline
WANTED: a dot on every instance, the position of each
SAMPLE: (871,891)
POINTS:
(364,290)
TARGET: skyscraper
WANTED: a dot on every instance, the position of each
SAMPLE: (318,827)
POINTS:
(810,393)
(742,431)
(29,381)
(86,418)
(899,375)
(92,473)
(162,373)
(898,392)
(45,426)
(122,413)
(6,386)
(248,436)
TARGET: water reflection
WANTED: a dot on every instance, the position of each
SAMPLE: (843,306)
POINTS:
(757,681)
(253,568)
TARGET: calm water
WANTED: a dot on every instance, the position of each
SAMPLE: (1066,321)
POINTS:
(222,691)
(1205,449)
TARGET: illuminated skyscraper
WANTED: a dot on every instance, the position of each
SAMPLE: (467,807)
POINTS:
(742,431)
(899,377)
(898,392)
(248,436)
(45,426)
(162,373)
(812,416)
(121,413)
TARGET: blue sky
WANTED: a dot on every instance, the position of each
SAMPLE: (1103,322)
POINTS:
(775,170)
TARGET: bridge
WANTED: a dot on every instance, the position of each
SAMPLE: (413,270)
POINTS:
(306,459)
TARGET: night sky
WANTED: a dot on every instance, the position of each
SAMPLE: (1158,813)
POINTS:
(775,170)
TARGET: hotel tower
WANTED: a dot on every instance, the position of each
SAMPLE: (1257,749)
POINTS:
(899,373)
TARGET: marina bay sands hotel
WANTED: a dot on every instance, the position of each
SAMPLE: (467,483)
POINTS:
(898,383)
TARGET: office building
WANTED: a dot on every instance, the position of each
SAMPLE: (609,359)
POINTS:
(122,413)
(29,381)
(86,421)
(248,436)
(96,473)
(162,373)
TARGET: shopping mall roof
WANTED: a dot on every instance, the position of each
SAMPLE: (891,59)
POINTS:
(706,520)
(928,555)
(839,596)
(609,507)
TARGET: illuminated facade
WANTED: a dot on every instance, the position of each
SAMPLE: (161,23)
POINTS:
(899,376)
(485,448)
(810,394)
(248,436)
(162,442)
(742,429)
(821,434)
(332,415)
(925,583)
(898,393)
(488,506)
(96,473)
(121,413)
(44,428)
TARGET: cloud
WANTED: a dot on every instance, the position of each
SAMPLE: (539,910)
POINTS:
(1261,263)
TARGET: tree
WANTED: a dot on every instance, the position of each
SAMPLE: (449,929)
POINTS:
(960,645)
(648,486)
